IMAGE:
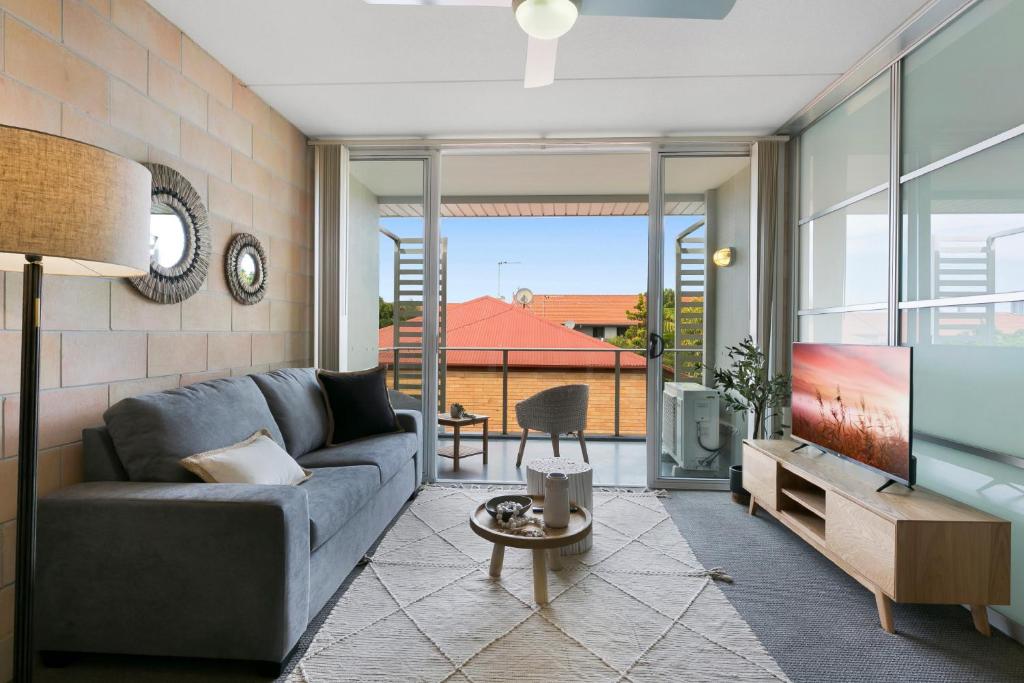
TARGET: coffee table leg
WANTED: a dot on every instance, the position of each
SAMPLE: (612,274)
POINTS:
(485,441)
(455,449)
(555,559)
(497,557)
(540,577)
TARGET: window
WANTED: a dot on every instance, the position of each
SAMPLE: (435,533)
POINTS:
(846,152)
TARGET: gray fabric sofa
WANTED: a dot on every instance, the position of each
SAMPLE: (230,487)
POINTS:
(142,558)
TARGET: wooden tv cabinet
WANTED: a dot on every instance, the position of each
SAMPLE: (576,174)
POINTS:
(902,545)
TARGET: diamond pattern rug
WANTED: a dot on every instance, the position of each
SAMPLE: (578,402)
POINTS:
(637,607)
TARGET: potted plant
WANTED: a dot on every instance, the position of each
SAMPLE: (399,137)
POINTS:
(748,387)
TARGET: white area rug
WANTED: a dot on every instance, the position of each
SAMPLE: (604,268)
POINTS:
(637,607)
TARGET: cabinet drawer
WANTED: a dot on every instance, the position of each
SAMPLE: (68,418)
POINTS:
(760,477)
(862,539)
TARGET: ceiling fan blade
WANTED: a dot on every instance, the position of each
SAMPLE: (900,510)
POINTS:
(672,9)
(540,62)
(444,3)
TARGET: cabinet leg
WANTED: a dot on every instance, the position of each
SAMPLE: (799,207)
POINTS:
(540,577)
(497,558)
(885,611)
(980,615)
(752,509)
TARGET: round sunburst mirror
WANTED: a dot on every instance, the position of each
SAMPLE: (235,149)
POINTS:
(247,268)
(179,239)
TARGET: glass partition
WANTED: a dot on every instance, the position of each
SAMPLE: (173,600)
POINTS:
(962,86)
(847,151)
(844,256)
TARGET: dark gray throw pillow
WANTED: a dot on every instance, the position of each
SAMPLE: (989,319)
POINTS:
(357,404)
(154,432)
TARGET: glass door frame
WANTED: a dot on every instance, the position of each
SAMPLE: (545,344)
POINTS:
(431,160)
(655,285)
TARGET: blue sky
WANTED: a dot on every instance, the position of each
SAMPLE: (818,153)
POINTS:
(558,255)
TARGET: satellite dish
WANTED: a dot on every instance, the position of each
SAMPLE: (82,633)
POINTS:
(571,324)
(522,296)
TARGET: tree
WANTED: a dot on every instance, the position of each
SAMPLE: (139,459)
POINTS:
(385,313)
(691,329)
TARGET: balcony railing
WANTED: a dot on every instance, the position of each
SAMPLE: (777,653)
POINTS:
(467,383)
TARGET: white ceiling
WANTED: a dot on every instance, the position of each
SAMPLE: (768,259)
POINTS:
(547,174)
(345,68)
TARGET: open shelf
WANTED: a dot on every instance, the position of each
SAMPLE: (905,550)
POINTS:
(809,523)
(812,500)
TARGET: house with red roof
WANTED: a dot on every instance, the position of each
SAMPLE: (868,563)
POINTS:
(599,315)
(541,353)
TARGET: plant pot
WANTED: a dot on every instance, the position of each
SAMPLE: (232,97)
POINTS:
(739,494)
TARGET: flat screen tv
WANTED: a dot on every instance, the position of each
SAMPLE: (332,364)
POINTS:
(854,401)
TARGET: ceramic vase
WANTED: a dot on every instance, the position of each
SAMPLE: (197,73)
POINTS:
(556,500)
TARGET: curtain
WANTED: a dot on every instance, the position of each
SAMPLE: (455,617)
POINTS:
(772,305)
(331,196)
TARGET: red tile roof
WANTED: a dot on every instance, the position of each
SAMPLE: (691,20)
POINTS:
(585,309)
(492,323)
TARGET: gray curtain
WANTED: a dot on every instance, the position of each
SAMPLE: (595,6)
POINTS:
(330,185)
(773,310)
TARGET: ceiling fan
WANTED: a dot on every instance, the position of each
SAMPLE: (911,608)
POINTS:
(545,21)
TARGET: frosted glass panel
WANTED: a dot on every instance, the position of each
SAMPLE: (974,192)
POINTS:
(963,85)
(963,227)
(844,256)
(969,373)
(855,327)
(846,152)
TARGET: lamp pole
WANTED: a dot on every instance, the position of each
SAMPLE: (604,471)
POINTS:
(500,264)
(24,650)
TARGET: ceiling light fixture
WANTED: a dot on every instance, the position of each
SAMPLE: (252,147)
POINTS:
(546,19)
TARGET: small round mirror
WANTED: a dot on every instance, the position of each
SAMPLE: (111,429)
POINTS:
(248,269)
(167,236)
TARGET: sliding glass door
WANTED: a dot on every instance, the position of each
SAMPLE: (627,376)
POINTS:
(697,305)
(390,307)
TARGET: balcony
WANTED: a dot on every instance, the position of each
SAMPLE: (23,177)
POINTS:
(491,380)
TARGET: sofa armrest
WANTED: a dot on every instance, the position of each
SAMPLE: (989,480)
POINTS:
(210,570)
(412,421)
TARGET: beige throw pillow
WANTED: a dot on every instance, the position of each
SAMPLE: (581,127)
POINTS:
(257,460)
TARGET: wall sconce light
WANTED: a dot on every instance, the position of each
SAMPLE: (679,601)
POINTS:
(723,257)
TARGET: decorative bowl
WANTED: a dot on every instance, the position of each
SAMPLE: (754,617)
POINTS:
(492,505)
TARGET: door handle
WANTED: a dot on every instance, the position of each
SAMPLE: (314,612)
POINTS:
(655,346)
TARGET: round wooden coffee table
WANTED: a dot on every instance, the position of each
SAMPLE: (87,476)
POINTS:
(553,540)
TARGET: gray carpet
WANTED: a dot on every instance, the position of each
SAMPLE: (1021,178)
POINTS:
(818,624)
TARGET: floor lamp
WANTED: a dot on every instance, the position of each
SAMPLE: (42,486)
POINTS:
(72,209)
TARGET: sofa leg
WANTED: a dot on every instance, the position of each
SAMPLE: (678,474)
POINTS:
(522,447)
(56,659)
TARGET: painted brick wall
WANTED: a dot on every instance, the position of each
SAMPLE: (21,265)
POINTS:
(479,390)
(116,74)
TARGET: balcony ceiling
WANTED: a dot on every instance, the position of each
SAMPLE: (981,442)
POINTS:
(345,68)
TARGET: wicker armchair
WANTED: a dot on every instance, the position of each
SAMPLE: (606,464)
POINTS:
(559,410)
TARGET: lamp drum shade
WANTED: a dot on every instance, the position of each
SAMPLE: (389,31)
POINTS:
(83,209)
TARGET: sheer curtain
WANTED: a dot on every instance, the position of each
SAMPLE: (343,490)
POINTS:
(331,197)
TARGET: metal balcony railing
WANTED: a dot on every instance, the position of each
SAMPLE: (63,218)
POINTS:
(673,370)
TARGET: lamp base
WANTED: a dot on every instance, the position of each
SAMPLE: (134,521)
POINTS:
(28,451)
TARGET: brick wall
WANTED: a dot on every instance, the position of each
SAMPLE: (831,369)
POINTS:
(479,390)
(116,74)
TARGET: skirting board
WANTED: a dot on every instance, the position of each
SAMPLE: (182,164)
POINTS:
(1000,621)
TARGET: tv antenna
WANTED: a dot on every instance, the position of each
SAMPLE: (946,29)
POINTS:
(522,296)
(500,264)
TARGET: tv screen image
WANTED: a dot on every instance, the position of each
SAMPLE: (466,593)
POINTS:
(855,401)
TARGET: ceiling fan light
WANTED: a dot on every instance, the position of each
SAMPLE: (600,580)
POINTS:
(546,19)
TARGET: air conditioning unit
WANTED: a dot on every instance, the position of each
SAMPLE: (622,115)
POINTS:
(689,425)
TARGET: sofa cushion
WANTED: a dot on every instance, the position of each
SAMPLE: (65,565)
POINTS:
(154,432)
(257,460)
(335,495)
(298,407)
(388,452)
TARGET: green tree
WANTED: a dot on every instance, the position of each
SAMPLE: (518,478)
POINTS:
(385,313)
(691,329)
